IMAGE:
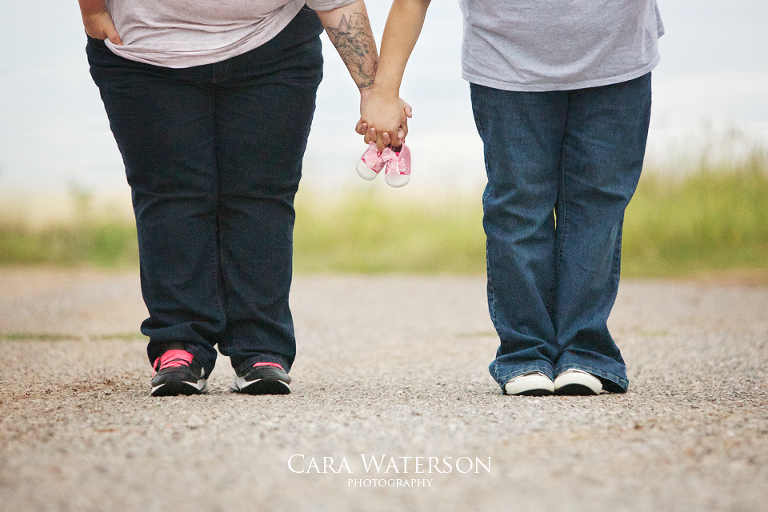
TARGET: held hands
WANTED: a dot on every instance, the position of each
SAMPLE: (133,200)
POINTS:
(381,117)
(100,26)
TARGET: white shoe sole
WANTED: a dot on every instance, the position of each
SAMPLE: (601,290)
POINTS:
(364,171)
(533,384)
(577,382)
(397,180)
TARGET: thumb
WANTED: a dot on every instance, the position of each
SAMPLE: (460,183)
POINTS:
(113,36)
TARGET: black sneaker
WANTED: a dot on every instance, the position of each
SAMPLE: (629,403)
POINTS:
(262,379)
(177,373)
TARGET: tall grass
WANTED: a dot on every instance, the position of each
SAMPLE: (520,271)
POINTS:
(90,237)
(715,218)
(110,243)
(712,219)
(370,233)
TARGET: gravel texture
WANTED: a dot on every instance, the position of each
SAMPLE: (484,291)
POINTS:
(393,366)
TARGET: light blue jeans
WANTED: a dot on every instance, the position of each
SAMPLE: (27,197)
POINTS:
(562,167)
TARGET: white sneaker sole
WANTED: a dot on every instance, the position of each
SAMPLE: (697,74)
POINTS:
(364,171)
(533,384)
(577,382)
(397,180)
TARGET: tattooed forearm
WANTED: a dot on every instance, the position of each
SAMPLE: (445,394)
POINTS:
(354,42)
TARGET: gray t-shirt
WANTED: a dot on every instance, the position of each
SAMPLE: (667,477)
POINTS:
(549,45)
(183,33)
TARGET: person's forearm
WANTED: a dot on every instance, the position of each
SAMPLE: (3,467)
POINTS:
(406,17)
(383,119)
(350,32)
(91,7)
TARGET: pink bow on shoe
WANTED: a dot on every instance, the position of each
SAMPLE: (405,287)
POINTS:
(377,160)
(398,166)
(371,163)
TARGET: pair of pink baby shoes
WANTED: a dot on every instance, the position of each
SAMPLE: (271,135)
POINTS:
(397,163)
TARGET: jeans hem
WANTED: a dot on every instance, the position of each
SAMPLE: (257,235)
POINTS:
(546,369)
(202,356)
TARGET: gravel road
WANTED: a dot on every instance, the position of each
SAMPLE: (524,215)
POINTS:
(393,367)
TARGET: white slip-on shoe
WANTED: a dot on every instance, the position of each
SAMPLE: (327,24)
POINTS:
(577,382)
(530,384)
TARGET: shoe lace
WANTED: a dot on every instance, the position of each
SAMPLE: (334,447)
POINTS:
(374,158)
(267,364)
(173,358)
(394,162)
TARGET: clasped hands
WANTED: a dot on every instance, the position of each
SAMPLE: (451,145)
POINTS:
(381,116)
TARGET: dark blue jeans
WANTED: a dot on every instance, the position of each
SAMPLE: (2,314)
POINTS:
(213,156)
(562,167)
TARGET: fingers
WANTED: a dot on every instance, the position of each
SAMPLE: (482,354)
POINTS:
(114,37)
(383,112)
(407,107)
(398,141)
(402,131)
(361,127)
(371,136)
(100,26)
(386,137)
(385,141)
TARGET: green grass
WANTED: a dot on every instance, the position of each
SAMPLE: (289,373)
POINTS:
(369,233)
(710,220)
(713,219)
(104,243)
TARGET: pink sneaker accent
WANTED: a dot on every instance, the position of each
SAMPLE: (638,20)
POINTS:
(267,364)
(172,358)
(371,163)
(398,166)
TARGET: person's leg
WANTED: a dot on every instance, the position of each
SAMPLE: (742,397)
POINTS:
(522,135)
(602,158)
(263,114)
(163,123)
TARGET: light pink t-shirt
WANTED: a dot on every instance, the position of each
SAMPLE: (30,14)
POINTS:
(185,33)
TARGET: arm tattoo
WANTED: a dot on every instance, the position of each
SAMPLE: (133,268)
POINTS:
(356,47)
